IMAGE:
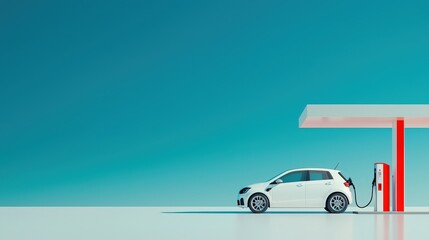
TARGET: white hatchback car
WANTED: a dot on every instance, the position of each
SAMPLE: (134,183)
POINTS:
(300,188)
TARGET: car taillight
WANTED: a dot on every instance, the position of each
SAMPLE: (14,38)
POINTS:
(346,184)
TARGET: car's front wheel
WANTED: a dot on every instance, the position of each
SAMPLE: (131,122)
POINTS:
(258,203)
(336,203)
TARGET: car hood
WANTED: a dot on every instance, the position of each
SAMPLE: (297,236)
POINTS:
(259,185)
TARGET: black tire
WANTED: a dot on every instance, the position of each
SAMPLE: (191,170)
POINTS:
(258,203)
(336,203)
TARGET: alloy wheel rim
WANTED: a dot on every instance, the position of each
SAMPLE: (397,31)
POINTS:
(258,203)
(337,202)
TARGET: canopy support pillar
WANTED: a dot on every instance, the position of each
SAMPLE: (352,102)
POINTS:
(398,165)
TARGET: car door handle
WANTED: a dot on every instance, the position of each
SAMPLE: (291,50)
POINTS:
(299,185)
(328,183)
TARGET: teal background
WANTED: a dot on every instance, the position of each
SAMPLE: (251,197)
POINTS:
(185,102)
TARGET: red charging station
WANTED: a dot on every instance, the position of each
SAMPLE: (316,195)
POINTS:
(382,187)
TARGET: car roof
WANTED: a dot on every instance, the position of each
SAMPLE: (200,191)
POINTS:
(312,169)
(304,169)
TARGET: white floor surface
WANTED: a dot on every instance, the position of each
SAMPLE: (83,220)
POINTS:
(147,223)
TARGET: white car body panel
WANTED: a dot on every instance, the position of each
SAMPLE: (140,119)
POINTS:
(288,195)
(317,192)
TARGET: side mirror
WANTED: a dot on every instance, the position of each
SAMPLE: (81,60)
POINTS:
(278,181)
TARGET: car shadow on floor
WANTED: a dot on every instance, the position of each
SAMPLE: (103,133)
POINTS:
(265,213)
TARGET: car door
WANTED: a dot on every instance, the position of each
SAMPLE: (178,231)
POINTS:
(291,192)
(318,186)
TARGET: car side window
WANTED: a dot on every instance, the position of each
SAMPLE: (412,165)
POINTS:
(319,175)
(298,176)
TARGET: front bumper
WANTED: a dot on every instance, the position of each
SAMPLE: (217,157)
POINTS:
(242,199)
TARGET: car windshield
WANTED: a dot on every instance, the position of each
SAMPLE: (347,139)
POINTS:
(277,175)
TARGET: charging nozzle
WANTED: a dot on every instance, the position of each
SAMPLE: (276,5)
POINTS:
(350,182)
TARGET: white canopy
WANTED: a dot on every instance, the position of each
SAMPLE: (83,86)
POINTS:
(364,115)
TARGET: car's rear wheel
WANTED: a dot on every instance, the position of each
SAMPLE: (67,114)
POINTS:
(258,203)
(336,203)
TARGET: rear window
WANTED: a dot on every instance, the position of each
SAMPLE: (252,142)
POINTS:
(342,176)
(319,175)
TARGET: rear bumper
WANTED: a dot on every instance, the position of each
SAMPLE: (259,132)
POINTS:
(349,196)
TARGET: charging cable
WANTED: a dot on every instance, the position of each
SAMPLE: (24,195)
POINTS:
(354,190)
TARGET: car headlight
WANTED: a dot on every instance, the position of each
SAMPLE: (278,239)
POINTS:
(244,190)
